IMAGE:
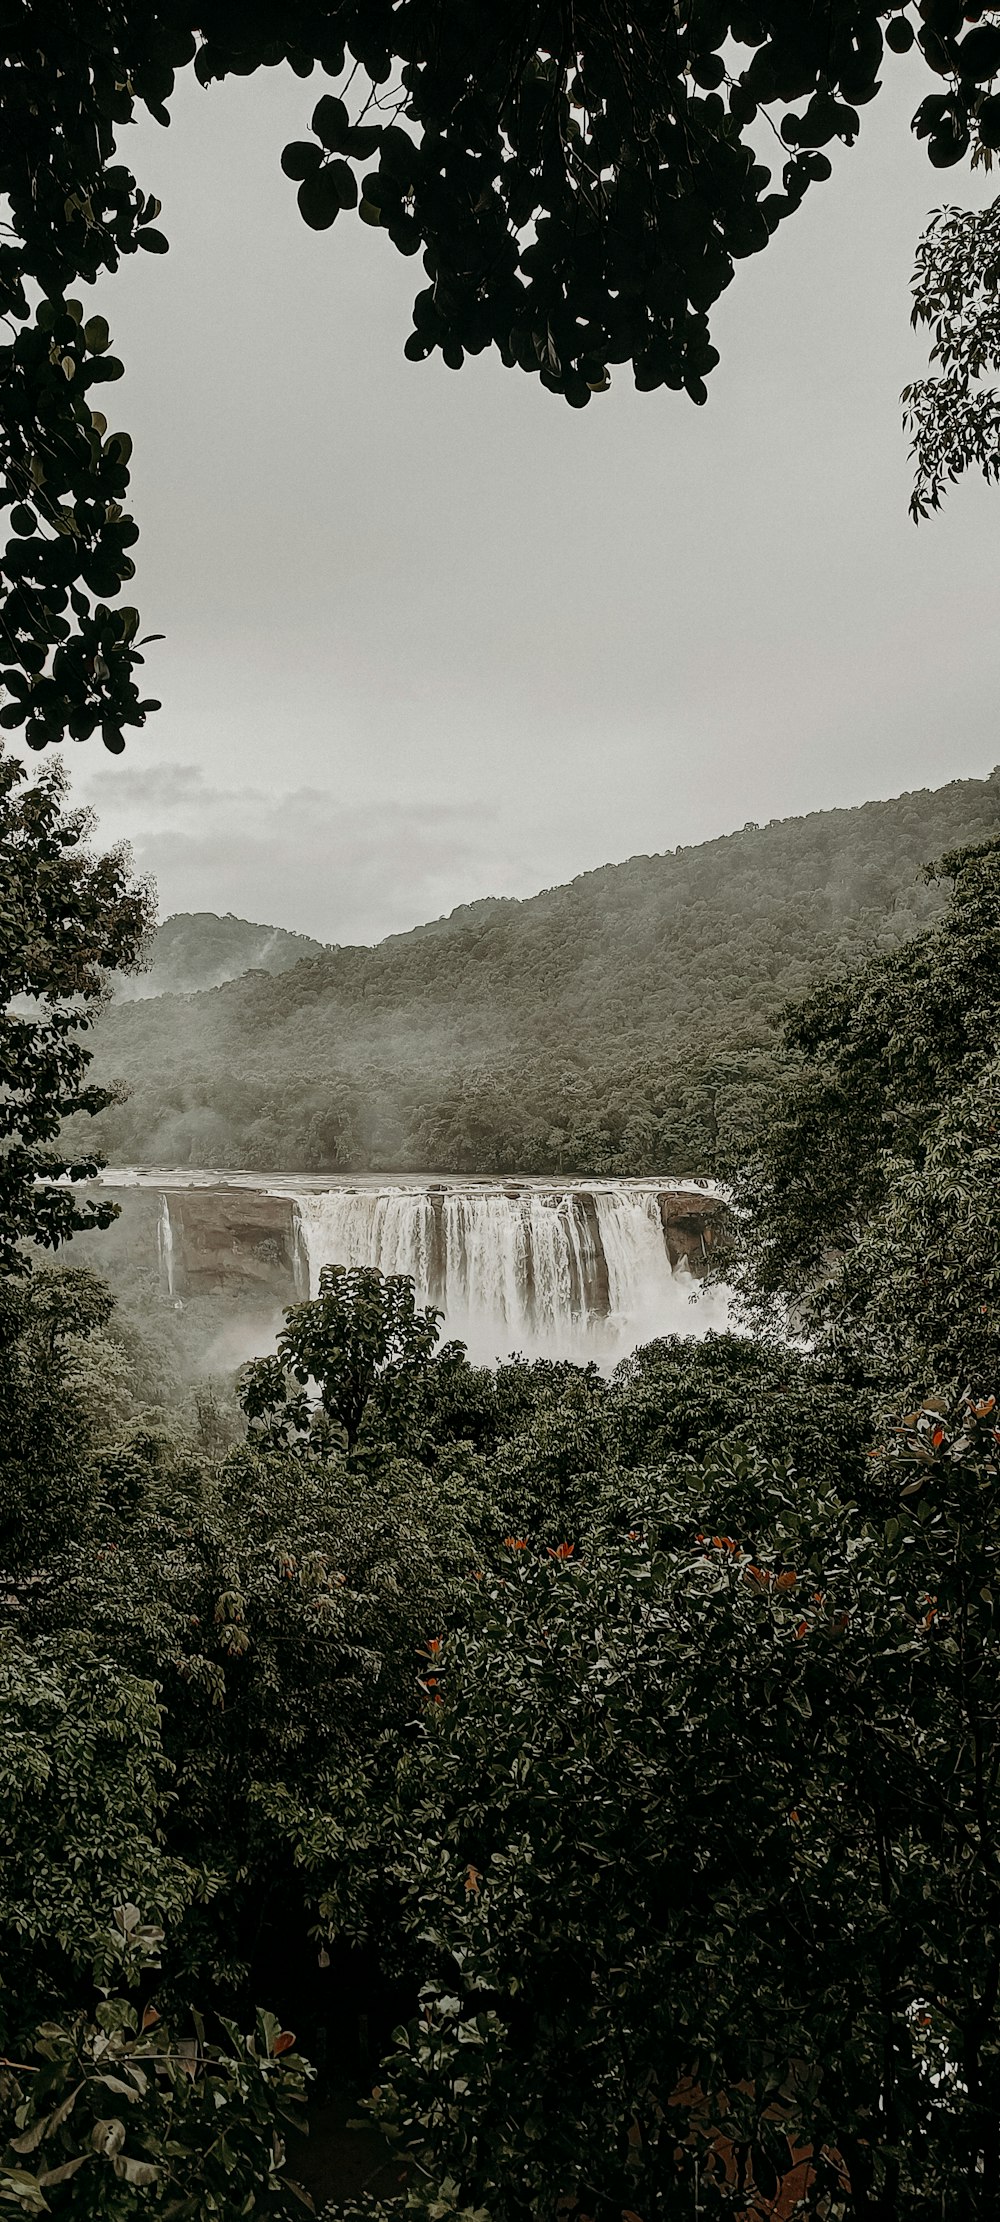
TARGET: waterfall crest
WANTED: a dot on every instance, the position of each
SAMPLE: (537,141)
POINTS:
(577,1272)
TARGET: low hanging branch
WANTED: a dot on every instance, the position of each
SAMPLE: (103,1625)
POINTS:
(953,417)
(579,181)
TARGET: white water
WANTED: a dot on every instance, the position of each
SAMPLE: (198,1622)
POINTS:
(165,1243)
(578,1273)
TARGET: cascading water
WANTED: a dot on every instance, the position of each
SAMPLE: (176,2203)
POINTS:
(577,1273)
(165,1245)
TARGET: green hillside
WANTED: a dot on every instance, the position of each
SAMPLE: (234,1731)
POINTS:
(623,1023)
(198,949)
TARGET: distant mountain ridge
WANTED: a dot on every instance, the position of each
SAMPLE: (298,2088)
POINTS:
(194,950)
(626,1022)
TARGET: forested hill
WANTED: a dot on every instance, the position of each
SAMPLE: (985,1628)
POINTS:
(622,1023)
(197,949)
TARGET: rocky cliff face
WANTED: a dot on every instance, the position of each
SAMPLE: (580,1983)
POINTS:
(690,1228)
(241,1241)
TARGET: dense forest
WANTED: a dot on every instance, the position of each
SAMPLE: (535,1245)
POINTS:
(197,949)
(592,1783)
(626,1023)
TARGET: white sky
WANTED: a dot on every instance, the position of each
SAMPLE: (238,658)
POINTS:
(435,635)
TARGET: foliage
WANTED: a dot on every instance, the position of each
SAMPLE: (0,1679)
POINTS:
(91,1897)
(580,189)
(953,419)
(627,1023)
(66,917)
(279,1599)
(728,1396)
(48,1480)
(915,1299)
(81,1758)
(137,2119)
(361,1340)
(687,1854)
(197,949)
(870,1203)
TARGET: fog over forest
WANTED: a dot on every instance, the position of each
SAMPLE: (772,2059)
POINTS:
(628,1023)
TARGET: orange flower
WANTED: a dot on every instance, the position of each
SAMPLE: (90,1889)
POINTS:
(562,1550)
(786,1581)
(515,1543)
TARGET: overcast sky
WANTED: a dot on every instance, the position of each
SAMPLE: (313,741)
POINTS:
(434,635)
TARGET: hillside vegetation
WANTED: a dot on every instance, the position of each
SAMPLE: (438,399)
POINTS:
(197,949)
(625,1023)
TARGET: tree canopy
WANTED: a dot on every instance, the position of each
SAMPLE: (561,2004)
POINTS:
(580,184)
(68,917)
(361,1335)
(870,1201)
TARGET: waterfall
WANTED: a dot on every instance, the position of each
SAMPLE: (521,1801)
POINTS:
(579,1272)
(165,1245)
(640,1277)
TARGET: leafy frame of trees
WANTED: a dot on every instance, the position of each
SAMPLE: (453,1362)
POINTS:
(580,184)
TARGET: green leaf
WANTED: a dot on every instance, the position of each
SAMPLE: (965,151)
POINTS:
(331,122)
(362,140)
(63,2173)
(17,2184)
(301,158)
(319,201)
(344,183)
(136,2171)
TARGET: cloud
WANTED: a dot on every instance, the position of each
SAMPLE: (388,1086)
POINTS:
(301,858)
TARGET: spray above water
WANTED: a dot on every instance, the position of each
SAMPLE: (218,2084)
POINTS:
(578,1272)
